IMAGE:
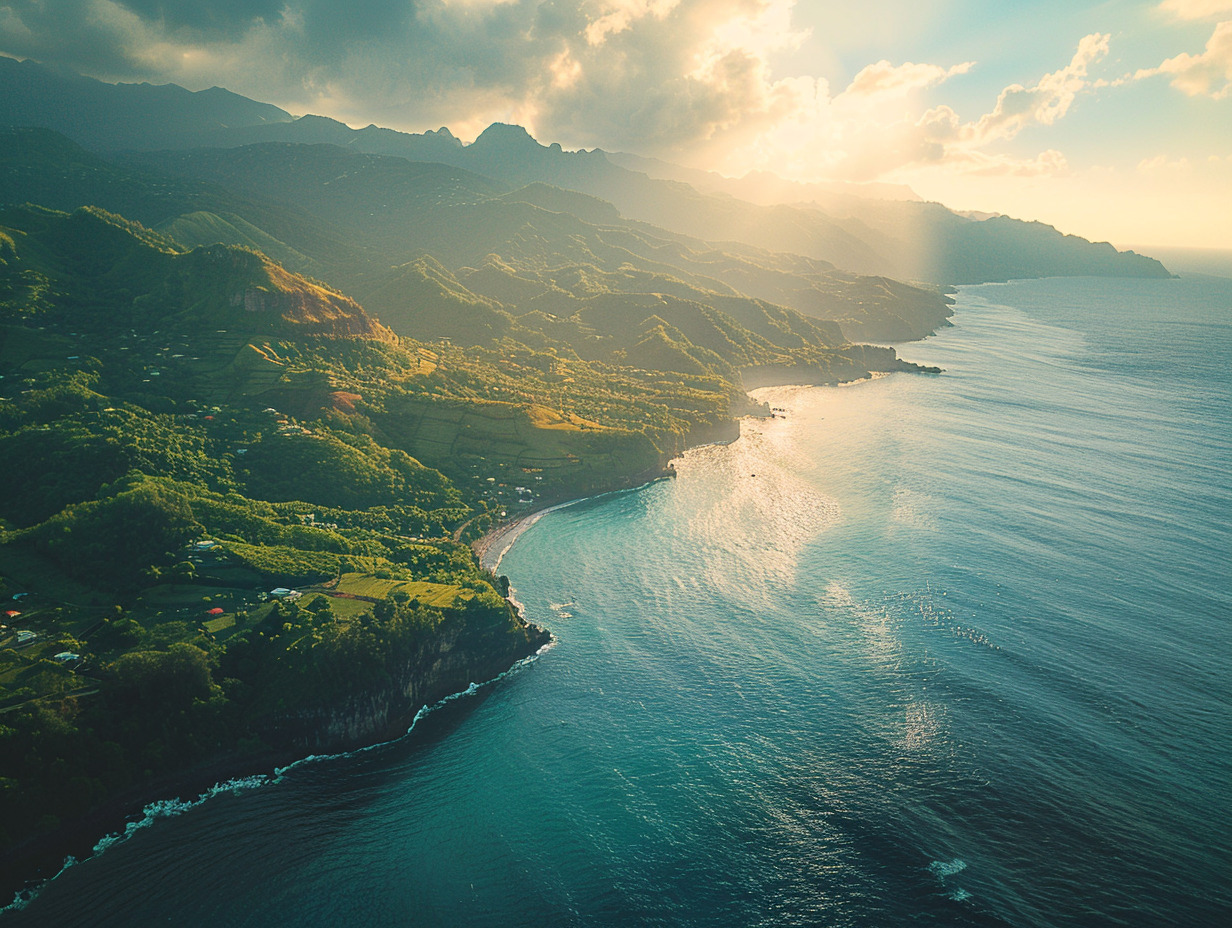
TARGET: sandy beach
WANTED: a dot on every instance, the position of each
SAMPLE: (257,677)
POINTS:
(493,545)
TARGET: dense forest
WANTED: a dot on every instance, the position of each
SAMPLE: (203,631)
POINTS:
(153,500)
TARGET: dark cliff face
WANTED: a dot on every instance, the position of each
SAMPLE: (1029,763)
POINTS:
(464,650)
(450,662)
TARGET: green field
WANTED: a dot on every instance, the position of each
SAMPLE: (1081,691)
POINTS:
(366,585)
(223,622)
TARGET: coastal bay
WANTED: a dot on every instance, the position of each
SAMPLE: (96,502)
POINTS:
(854,667)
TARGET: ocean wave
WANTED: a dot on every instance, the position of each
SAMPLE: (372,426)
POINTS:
(942,869)
(912,509)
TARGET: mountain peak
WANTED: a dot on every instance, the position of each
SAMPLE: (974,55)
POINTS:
(504,135)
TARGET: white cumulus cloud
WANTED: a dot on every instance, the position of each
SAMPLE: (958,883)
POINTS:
(1208,73)
(884,78)
(1045,102)
(1197,9)
(939,136)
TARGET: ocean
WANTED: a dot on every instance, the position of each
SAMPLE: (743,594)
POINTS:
(948,650)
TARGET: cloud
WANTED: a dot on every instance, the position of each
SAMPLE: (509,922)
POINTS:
(1050,163)
(939,137)
(884,78)
(660,73)
(1205,74)
(691,80)
(217,18)
(1197,9)
(1046,102)
(1162,163)
(622,14)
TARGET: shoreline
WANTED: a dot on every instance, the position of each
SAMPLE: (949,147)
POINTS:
(134,809)
(502,537)
(515,527)
(120,818)
(507,533)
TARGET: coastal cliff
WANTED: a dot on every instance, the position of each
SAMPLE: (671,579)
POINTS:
(451,661)
(315,708)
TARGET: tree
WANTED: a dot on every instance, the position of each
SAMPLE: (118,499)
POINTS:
(168,679)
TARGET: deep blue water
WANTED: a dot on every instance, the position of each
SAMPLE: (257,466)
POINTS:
(948,650)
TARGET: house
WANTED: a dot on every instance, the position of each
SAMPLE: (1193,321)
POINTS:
(205,544)
(65,656)
(215,611)
(24,635)
(285,594)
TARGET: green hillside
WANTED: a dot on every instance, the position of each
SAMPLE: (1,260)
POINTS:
(358,222)
(237,499)
(399,211)
(43,167)
(99,272)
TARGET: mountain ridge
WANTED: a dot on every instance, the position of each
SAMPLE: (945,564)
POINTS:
(868,239)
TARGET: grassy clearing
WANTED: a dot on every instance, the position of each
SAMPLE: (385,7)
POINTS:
(183,595)
(436,594)
(366,585)
(348,608)
(190,604)
(223,622)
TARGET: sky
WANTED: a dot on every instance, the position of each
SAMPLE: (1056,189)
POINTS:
(1110,120)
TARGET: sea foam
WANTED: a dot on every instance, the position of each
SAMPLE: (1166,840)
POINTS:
(947,868)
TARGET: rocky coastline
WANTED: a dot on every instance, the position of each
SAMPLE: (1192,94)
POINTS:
(453,662)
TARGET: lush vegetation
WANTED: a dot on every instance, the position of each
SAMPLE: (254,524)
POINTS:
(153,499)
(233,498)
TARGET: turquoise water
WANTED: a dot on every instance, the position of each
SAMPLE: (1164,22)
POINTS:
(951,650)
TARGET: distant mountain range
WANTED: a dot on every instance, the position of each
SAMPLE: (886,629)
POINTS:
(868,235)
(366,224)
